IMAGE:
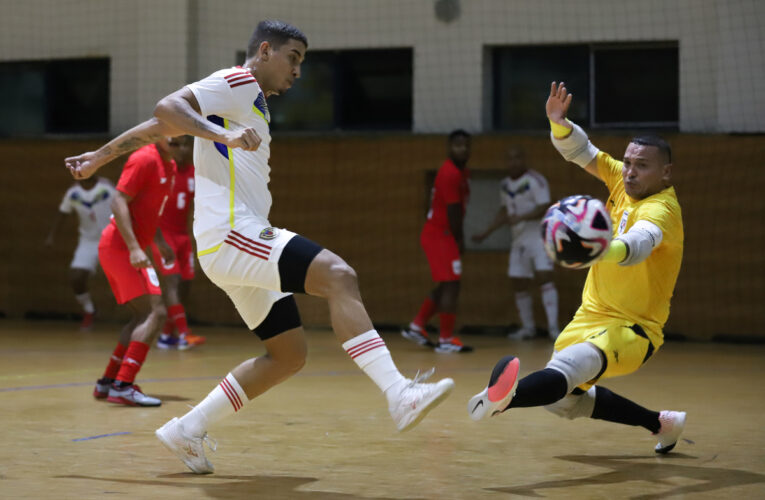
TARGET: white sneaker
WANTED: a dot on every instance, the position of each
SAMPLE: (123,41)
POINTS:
(500,391)
(523,334)
(416,399)
(672,425)
(189,449)
(416,335)
(131,395)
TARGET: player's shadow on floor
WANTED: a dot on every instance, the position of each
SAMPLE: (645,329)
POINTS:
(658,471)
(222,486)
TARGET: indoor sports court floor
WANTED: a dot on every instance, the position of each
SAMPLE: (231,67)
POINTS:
(326,433)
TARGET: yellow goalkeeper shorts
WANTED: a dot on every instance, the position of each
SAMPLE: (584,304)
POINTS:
(625,344)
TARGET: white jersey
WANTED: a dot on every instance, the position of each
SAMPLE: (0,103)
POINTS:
(230,183)
(93,207)
(521,196)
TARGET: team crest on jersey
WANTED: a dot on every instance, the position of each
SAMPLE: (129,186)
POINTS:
(269,233)
(623,222)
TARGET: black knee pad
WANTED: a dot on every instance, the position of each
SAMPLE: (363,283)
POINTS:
(283,316)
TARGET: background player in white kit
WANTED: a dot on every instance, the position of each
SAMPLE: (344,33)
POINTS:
(524,199)
(259,266)
(91,200)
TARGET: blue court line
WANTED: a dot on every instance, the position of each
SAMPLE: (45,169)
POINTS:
(103,436)
(176,379)
(333,373)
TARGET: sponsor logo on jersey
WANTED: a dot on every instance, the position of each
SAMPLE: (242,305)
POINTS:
(269,233)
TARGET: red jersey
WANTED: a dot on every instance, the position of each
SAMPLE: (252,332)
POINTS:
(148,180)
(176,215)
(450,187)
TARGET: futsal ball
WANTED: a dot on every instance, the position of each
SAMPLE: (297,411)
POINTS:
(576,231)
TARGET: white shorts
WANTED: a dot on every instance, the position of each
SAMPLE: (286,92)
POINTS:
(246,267)
(85,256)
(527,256)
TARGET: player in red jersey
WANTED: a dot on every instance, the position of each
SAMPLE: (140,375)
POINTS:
(442,240)
(177,274)
(142,192)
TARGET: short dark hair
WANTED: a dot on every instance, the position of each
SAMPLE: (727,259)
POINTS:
(277,33)
(458,133)
(655,141)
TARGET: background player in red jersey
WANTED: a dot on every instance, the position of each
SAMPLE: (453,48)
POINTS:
(442,240)
(178,273)
(142,191)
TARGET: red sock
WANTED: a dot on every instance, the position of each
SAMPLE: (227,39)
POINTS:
(169,327)
(177,314)
(134,358)
(447,325)
(427,309)
(115,361)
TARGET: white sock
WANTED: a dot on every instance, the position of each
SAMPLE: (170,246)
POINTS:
(368,350)
(525,304)
(550,300)
(86,302)
(227,398)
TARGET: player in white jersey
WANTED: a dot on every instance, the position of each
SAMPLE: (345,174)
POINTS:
(524,198)
(259,266)
(91,200)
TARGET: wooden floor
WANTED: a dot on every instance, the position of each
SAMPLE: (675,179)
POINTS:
(326,433)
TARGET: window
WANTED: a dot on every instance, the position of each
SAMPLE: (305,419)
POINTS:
(614,85)
(351,90)
(635,86)
(522,77)
(66,96)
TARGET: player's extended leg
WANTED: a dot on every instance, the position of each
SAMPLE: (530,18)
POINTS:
(556,388)
(330,277)
(284,339)
(78,279)
(572,366)
(149,314)
(448,295)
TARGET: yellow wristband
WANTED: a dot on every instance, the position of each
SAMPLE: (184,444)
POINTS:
(617,251)
(560,131)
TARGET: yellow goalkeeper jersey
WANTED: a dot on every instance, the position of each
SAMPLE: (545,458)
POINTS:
(641,292)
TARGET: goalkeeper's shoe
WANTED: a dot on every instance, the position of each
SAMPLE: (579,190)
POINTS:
(500,391)
(672,425)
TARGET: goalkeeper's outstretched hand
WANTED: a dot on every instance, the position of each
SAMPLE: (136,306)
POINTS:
(558,103)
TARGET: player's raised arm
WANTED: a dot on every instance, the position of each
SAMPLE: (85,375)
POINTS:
(148,132)
(182,111)
(567,137)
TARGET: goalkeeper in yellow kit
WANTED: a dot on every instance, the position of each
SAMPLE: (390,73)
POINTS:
(625,301)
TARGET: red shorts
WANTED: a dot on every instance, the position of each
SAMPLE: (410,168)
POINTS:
(443,254)
(184,255)
(126,281)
